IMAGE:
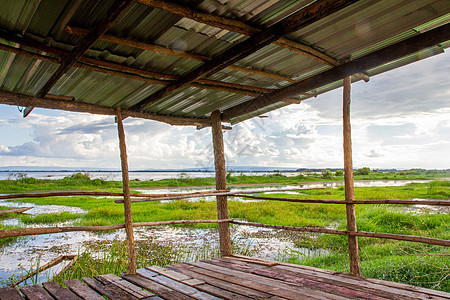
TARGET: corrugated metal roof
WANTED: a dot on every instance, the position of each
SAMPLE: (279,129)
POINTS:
(357,30)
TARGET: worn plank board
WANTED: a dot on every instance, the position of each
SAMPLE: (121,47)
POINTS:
(127,286)
(348,281)
(271,286)
(35,292)
(178,276)
(109,290)
(58,292)
(329,277)
(82,290)
(215,291)
(168,273)
(204,287)
(295,279)
(182,288)
(238,290)
(216,279)
(269,263)
(193,282)
(373,280)
(403,286)
(9,293)
(375,289)
(147,272)
(156,288)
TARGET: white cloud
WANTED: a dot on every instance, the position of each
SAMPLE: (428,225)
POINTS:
(400,119)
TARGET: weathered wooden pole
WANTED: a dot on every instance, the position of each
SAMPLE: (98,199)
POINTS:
(221,183)
(355,267)
(126,195)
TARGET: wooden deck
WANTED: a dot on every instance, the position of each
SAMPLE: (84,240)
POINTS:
(236,277)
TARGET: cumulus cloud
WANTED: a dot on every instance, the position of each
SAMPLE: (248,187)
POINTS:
(373,153)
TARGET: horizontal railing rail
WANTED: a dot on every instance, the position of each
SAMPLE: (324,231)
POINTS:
(410,238)
(173,196)
(439,202)
(48,230)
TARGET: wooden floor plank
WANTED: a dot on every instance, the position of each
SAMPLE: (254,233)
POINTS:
(109,290)
(168,273)
(35,292)
(178,276)
(240,291)
(403,286)
(82,290)
(373,280)
(182,288)
(212,290)
(58,292)
(231,277)
(352,282)
(156,288)
(9,293)
(376,289)
(271,286)
(193,282)
(127,286)
(269,263)
(269,272)
(147,272)
(251,283)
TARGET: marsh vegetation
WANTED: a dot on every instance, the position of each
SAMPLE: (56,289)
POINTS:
(412,263)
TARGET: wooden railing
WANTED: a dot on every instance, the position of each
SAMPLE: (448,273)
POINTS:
(244,194)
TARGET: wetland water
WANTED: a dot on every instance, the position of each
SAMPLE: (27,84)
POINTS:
(24,254)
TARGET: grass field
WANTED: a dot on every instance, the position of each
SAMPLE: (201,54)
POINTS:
(20,182)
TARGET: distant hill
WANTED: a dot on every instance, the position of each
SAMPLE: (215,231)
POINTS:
(52,169)
(205,169)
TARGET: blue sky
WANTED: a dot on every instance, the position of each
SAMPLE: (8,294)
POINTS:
(400,119)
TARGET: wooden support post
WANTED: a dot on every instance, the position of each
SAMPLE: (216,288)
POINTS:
(355,267)
(221,184)
(126,195)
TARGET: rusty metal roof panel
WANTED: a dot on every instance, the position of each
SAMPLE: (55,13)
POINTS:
(368,22)
(262,13)
(350,33)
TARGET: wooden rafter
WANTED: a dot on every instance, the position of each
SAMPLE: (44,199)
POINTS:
(308,15)
(163,50)
(123,70)
(15,99)
(113,14)
(367,62)
(244,28)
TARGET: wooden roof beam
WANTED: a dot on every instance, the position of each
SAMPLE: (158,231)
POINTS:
(67,104)
(367,62)
(243,28)
(114,12)
(163,50)
(122,70)
(308,15)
